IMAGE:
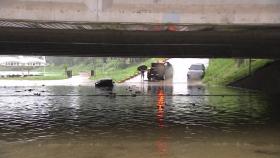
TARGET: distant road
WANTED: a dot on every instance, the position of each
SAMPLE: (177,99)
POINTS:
(180,69)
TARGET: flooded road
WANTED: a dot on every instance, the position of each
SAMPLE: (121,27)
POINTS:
(137,120)
(79,80)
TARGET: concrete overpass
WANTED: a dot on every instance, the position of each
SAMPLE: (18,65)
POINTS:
(163,28)
(145,11)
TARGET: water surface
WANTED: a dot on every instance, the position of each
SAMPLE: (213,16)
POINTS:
(137,120)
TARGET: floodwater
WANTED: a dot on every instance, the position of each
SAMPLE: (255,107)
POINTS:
(160,121)
(80,80)
(138,119)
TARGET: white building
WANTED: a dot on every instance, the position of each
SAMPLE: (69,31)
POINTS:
(22,61)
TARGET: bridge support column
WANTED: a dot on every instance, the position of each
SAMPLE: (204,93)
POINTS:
(99,5)
(105,4)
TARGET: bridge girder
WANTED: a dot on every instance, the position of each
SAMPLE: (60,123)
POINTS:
(145,11)
(139,40)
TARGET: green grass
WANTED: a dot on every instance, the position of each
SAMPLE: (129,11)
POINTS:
(51,73)
(225,71)
(118,71)
(120,74)
(114,69)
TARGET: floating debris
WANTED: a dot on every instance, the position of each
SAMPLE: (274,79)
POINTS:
(138,92)
(105,83)
(113,95)
(37,94)
(29,90)
(193,104)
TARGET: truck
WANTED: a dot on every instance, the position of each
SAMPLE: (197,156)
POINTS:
(160,71)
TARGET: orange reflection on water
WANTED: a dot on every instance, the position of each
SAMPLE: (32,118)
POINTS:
(160,107)
(161,143)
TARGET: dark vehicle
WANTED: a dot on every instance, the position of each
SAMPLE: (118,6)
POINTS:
(105,83)
(160,71)
(196,71)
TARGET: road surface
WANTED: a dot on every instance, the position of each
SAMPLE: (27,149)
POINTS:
(180,69)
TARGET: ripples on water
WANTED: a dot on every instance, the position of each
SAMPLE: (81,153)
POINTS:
(31,117)
(73,113)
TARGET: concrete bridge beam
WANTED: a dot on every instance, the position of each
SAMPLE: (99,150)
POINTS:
(215,41)
(145,11)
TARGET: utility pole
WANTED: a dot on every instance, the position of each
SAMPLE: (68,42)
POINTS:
(45,64)
(92,73)
(250,66)
(97,10)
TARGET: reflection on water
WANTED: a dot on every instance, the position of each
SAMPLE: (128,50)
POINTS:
(160,106)
(68,120)
(161,143)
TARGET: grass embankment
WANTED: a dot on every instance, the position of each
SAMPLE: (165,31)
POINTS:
(51,72)
(225,71)
(114,69)
(118,71)
(120,74)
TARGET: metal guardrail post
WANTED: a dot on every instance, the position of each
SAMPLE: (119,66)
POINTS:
(250,66)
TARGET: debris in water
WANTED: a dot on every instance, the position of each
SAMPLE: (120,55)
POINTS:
(105,83)
(29,90)
(138,92)
(37,94)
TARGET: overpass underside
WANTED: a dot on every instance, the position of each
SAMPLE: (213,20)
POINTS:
(139,40)
(145,11)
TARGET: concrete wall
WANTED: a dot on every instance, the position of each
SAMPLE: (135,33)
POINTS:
(106,4)
(266,79)
(145,11)
(183,2)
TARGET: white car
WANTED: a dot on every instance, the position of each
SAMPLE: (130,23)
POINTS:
(196,72)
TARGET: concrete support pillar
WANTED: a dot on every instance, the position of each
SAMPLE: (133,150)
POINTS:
(105,4)
(99,5)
